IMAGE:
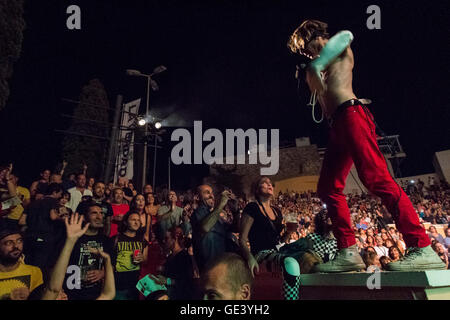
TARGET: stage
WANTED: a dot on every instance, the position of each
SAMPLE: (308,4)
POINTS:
(420,285)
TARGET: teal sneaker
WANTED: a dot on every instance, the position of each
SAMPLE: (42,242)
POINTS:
(347,259)
(417,259)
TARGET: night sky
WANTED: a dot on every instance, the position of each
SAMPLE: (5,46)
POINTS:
(229,66)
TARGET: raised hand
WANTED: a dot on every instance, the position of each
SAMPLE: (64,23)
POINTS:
(73,226)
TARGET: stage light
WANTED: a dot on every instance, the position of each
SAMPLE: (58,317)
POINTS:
(158,125)
(142,122)
(412,181)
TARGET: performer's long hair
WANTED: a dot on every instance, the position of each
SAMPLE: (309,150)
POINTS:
(307,31)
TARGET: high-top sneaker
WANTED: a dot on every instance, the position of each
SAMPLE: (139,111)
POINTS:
(347,259)
(417,259)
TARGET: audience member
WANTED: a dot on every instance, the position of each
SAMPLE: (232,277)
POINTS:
(208,232)
(261,226)
(178,272)
(18,281)
(45,230)
(119,209)
(78,192)
(99,197)
(74,231)
(227,277)
(130,250)
(92,267)
(38,188)
(169,216)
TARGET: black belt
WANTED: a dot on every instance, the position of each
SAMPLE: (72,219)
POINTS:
(344,105)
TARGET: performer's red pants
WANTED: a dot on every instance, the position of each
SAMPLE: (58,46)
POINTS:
(353,140)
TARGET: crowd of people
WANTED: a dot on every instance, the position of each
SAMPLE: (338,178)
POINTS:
(79,238)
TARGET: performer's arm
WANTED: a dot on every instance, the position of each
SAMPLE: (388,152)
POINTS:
(333,49)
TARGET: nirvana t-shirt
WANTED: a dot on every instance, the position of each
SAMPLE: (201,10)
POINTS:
(127,273)
(86,261)
(25,276)
(263,234)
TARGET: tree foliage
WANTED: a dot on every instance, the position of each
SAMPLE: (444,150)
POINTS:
(79,150)
(12,25)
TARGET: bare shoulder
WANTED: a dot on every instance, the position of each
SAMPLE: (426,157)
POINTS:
(347,54)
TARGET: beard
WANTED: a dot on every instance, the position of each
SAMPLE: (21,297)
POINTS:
(9,260)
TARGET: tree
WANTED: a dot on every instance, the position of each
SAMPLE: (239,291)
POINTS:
(77,149)
(12,25)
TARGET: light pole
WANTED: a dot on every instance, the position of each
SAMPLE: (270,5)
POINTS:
(154,85)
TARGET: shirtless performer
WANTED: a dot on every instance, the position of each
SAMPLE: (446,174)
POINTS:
(353,140)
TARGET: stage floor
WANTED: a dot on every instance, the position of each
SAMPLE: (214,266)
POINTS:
(420,285)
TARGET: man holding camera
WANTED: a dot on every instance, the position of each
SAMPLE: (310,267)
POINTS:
(209,232)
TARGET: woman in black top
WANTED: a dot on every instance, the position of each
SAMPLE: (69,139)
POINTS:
(261,225)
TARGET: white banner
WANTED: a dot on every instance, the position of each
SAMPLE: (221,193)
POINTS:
(124,162)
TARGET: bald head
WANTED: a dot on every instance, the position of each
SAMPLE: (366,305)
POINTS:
(227,278)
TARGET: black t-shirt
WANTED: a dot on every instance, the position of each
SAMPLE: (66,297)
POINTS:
(127,273)
(39,222)
(179,268)
(42,187)
(262,235)
(87,261)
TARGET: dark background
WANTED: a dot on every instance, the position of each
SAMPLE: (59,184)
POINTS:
(229,66)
